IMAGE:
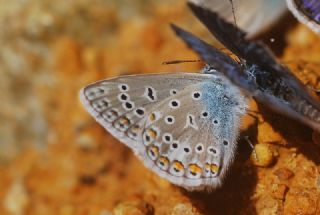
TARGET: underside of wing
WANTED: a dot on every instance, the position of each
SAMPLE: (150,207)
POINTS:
(253,15)
(182,126)
(190,138)
(121,104)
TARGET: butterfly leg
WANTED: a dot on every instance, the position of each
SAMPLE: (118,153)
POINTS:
(252,147)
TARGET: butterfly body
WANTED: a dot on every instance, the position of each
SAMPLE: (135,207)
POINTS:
(258,74)
(182,126)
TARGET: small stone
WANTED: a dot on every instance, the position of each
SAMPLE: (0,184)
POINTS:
(266,134)
(16,199)
(85,141)
(133,208)
(184,209)
(279,191)
(283,174)
(262,155)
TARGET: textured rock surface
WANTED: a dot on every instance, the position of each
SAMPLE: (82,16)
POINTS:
(50,50)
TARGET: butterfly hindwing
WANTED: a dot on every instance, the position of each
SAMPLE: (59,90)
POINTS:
(194,133)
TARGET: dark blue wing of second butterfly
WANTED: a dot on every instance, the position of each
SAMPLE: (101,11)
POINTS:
(261,76)
(311,8)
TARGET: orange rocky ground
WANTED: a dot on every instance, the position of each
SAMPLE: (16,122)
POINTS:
(83,170)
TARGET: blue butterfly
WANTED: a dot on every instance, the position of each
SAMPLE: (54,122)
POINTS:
(258,73)
(307,12)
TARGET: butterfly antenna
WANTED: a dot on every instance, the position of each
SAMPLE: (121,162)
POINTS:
(233,13)
(180,61)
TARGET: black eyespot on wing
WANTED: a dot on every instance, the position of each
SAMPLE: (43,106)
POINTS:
(123,97)
(213,150)
(186,150)
(174,145)
(140,112)
(174,104)
(124,87)
(190,120)
(196,95)
(167,138)
(151,94)
(129,105)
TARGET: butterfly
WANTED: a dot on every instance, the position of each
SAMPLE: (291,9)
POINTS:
(258,15)
(258,73)
(183,126)
(307,12)
(255,16)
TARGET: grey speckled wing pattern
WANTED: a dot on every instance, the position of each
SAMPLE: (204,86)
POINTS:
(183,126)
(259,73)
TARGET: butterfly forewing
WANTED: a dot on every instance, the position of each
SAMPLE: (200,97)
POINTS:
(183,126)
(121,103)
